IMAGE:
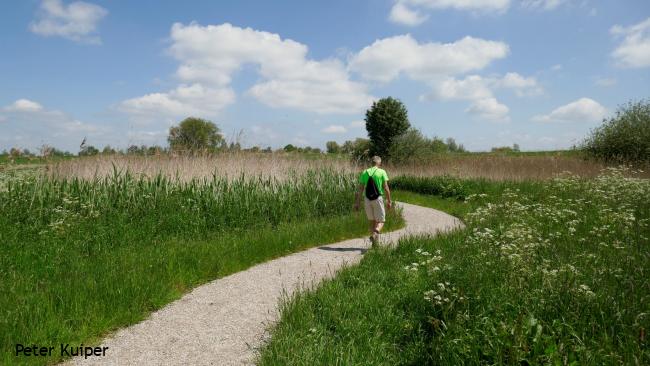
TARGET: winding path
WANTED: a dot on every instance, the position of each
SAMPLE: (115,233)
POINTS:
(224,321)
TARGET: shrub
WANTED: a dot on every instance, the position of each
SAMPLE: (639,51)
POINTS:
(624,137)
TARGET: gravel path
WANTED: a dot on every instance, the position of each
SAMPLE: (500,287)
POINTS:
(224,321)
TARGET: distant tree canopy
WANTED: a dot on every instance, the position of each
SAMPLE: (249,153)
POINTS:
(333,147)
(194,134)
(505,149)
(625,137)
(385,120)
(88,150)
(413,146)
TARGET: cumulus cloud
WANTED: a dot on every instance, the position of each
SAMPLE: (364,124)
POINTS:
(183,101)
(209,57)
(23,105)
(634,50)
(334,129)
(489,108)
(387,58)
(402,14)
(409,12)
(76,21)
(583,110)
(480,90)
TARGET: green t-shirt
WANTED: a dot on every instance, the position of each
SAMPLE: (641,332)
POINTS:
(378,174)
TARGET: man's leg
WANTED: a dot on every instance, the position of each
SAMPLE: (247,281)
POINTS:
(378,226)
(372,224)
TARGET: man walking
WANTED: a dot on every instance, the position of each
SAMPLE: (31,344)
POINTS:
(373,191)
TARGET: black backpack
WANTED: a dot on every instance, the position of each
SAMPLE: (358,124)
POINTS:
(372,192)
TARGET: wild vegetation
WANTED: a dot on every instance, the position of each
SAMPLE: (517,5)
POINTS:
(624,137)
(545,273)
(84,256)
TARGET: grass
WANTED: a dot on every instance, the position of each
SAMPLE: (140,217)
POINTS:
(554,273)
(82,258)
(452,206)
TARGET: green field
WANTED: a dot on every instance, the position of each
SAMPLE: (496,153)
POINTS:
(82,258)
(555,273)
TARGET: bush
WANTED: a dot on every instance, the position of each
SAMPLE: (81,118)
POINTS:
(412,146)
(624,137)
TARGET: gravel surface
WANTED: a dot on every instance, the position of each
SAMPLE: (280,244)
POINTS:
(223,322)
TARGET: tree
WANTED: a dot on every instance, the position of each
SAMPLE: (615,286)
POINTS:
(194,134)
(625,137)
(332,147)
(108,150)
(133,150)
(385,120)
(88,150)
(290,148)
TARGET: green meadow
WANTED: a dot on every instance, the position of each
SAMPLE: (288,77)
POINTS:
(554,273)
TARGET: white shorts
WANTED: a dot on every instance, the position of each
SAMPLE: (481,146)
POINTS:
(375,209)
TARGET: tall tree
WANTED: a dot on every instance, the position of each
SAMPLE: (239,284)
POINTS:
(332,147)
(385,120)
(194,134)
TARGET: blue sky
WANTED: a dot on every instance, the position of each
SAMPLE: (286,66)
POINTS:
(540,73)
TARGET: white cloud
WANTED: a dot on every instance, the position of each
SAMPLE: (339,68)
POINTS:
(475,87)
(634,50)
(409,12)
(184,101)
(210,55)
(489,108)
(402,14)
(340,97)
(582,110)
(543,4)
(480,90)
(76,21)
(522,86)
(556,67)
(386,58)
(23,105)
(29,125)
(334,129)
(606,82)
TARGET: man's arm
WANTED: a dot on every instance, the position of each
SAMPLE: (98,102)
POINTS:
(357,197)
(389,203)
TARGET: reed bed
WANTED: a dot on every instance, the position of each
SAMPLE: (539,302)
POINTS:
(280,166)
(186,167)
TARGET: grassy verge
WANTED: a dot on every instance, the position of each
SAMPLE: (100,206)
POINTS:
(83,258)
(557,275)
(452,206)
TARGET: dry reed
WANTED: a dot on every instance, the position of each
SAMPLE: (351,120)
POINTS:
(282,165)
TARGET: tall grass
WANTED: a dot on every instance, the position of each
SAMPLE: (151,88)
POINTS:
(82,257)
(554,273)
(494,167)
